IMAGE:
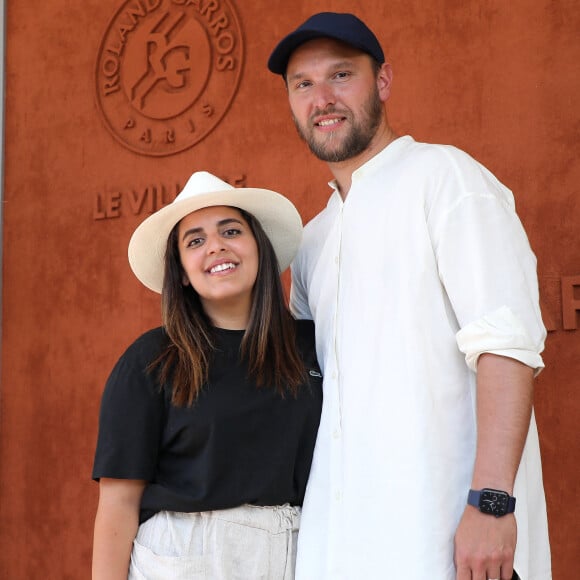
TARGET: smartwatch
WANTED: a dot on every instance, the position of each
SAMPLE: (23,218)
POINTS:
(492,501)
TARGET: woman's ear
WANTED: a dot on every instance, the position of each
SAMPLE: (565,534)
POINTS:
(184,280)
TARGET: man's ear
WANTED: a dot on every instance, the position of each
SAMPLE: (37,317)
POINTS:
(384,81)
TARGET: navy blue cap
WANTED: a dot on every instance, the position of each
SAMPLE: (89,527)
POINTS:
(339,26)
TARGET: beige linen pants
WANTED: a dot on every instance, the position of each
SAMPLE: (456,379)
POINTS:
(243,543)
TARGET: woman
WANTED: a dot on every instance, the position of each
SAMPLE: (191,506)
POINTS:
(207,425)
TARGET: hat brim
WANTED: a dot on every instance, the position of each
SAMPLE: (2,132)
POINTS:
(278,217)
(278,61)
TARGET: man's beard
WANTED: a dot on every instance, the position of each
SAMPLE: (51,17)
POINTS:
(356,141)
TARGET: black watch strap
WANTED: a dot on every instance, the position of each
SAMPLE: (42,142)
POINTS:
(492,501)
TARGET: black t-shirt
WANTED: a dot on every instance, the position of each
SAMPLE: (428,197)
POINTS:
(237,444)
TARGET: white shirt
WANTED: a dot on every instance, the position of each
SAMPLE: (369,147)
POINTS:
(424,267)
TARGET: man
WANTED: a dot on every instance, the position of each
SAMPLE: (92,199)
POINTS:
(422,285)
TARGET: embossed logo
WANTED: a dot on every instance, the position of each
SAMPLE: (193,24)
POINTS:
(167,72)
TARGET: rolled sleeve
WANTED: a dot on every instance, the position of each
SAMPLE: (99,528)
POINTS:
(487,268)
(500,333)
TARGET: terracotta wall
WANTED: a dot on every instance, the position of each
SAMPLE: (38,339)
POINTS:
(93,145)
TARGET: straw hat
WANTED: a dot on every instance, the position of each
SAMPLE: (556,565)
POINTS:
(277,215)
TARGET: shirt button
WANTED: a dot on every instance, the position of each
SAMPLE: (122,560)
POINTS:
(338,495)
(334,375)
(336,259)
(336,433)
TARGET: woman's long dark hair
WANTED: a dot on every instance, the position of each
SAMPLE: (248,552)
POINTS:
(269,341)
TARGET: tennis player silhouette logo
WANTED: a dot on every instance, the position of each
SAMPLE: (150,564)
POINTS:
(167,73)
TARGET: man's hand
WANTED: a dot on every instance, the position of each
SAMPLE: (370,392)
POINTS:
(485,546)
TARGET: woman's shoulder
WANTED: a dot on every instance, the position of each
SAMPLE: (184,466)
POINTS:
(130,382)
(148,346)
(153,336)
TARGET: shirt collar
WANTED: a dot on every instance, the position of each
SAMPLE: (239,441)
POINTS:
(393,149)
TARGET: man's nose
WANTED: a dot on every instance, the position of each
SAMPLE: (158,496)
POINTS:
(323,97)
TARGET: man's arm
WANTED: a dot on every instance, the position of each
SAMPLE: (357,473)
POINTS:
(484,544)
(116,526)
(298,296)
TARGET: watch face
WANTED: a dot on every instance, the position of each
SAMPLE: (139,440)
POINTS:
(493,502)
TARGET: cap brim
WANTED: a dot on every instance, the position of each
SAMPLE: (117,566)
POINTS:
(278,61)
